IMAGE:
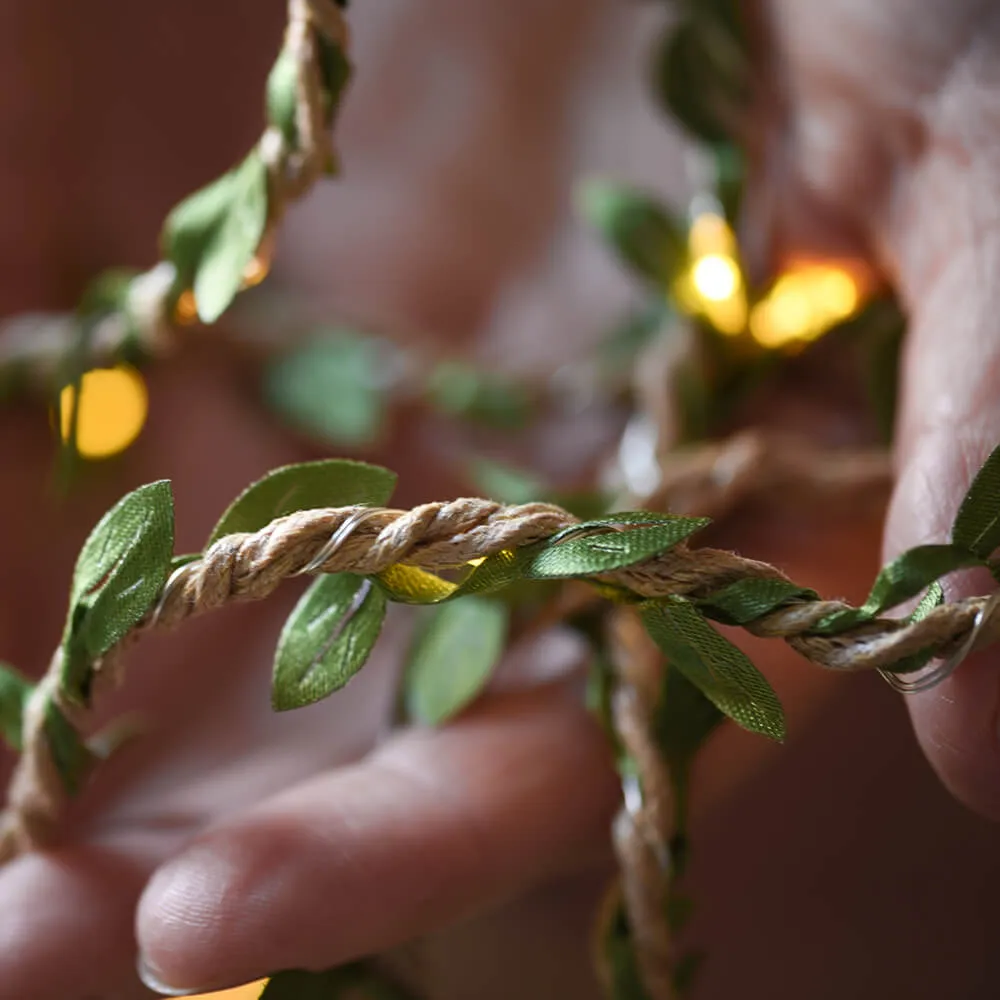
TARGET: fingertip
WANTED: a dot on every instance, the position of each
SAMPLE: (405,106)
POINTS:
(958,727)
(957,723)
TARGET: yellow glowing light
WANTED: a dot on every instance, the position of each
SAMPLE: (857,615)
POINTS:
(729,316)
(716,277)
(112,409)
(186,309)
(803,304)
(251,991)
(713,286)
(711,234)
(256,271)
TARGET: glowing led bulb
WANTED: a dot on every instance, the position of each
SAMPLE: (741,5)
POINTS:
(186,309)
(710,234)
(803,304)
(111,411)
(256,271)
(716,277)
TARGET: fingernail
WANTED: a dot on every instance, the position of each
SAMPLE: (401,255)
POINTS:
(150,977)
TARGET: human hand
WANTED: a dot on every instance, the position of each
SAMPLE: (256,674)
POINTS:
(882,140)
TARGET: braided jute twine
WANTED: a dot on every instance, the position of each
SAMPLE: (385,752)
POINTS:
(38,344)
(443,536)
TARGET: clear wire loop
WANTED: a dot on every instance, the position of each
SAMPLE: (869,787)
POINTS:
(935,673)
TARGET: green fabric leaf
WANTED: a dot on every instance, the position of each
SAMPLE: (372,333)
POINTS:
(119,573)
(841,621)
(213,235)
(336,482)
(977,523)
(720,670)
(326,640)
(911,572)
(917,661)
(747,600)
(71,757)
(932,599)
(282,97)
(329,387)
(504,483)
(15,689)
(498,571)
(453,657)
(610,550)
(640,230)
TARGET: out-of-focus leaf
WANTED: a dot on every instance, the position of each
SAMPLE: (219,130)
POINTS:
(453,657)
(329,387)
(638,228)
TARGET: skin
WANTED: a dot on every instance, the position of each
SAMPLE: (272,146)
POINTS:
(231,842)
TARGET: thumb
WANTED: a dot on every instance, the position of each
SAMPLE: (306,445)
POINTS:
(944,238)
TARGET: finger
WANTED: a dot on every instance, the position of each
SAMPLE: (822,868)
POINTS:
(946,237)
(66,925)
(430,828)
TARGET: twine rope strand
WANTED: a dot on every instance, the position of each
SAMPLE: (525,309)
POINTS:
(442,536)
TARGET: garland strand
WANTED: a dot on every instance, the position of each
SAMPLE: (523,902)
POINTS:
(442,536)
(296,149)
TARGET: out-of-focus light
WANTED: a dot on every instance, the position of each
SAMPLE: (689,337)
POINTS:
(251,991)
(716,277)
(713,285)
(256,271)
(111,411)
(711,234)
(186,309)
(803,304)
